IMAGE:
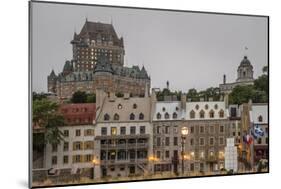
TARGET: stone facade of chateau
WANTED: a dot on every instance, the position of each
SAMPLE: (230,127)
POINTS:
(98,62)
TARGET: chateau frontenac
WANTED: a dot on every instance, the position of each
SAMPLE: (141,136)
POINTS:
(98,63)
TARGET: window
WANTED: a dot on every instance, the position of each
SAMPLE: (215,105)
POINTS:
(192,114)
(221,128)
(116,117)
(192,167)
(177,108)
(113,131)
(123,130)
(211,141)
(65,146)
(132,116)
(119,106)
(66,133)
(202,114)
(260,118)
(65,159)
(206,106)
(202,141)
(167,115)
(221,140)
(141,116)
(221,113)
(88,157)
(167,130)
(54,160)
(167,154)
(135,106)
(192,129)
(132,130)
(76,159)
(163,109)
(158,130)
(158,154)
(175,115)
(259,140)
(158,115)
(202,129)
(158,141)
(89,132)
(77,145)
(88,145)
(191,142)
(54,147)
(211,114)
(211,129)
(106,117)
(202,154)
(175,129)
(197,107)
(77,132)
(233,112)
(142,129)
(103,131)
(167,141)
(175,141)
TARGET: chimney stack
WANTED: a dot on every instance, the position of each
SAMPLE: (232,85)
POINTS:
(224,78)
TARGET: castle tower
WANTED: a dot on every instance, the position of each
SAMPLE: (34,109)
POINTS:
(245,71)
(52,81)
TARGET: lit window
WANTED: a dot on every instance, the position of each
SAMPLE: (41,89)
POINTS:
(113,131)
(119,106)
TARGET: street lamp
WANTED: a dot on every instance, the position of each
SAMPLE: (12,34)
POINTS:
(184,133)
(94,161)
(153,159)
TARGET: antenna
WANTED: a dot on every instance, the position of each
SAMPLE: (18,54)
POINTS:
(246,50)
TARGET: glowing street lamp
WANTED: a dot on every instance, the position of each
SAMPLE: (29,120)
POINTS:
(94,162)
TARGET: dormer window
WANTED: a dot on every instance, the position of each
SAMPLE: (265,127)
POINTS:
(177,108)
(141,116)
(202,114)
(167,116)
(221,113)
(132,116)
(211,114)
(106,117)
(260,118)
(197,107)
(175,115)
(158,115)
(116,117)
(192,114)
(163,109)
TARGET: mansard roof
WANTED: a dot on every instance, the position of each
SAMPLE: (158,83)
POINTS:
(98,30)
(52,74)
(103,65)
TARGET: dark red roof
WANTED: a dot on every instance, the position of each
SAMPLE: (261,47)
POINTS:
(78,114)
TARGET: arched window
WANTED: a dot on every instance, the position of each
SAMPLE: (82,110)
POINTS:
(177,108)
(106,117)
(206,106)
(163,109)
(167,116)
(132,116)
(260,118)
(175,115)
(141,116)
(192,114)
(135,106)
(202,114)
(116,117)
(158,115)
(212,114)
(197,107)
(221,113)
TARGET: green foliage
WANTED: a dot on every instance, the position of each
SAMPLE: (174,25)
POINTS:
(79,97)
(262,83)
(91,98)
(45,115)
(38,96)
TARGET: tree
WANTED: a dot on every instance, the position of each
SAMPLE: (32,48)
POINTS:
(91,98)
(79,97)
(241,94)
(38,96)
(265,70)
(262,83)
(45,116)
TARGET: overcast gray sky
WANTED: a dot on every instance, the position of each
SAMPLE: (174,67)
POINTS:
(191,50)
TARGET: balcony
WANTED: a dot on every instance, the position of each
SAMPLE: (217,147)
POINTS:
(211,159)
(122,136)
(125,146)
(123,161)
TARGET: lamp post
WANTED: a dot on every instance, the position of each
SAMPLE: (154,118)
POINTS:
(94,161)
(184,133)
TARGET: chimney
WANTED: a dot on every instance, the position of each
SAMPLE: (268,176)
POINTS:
(224,78)
(183,101)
